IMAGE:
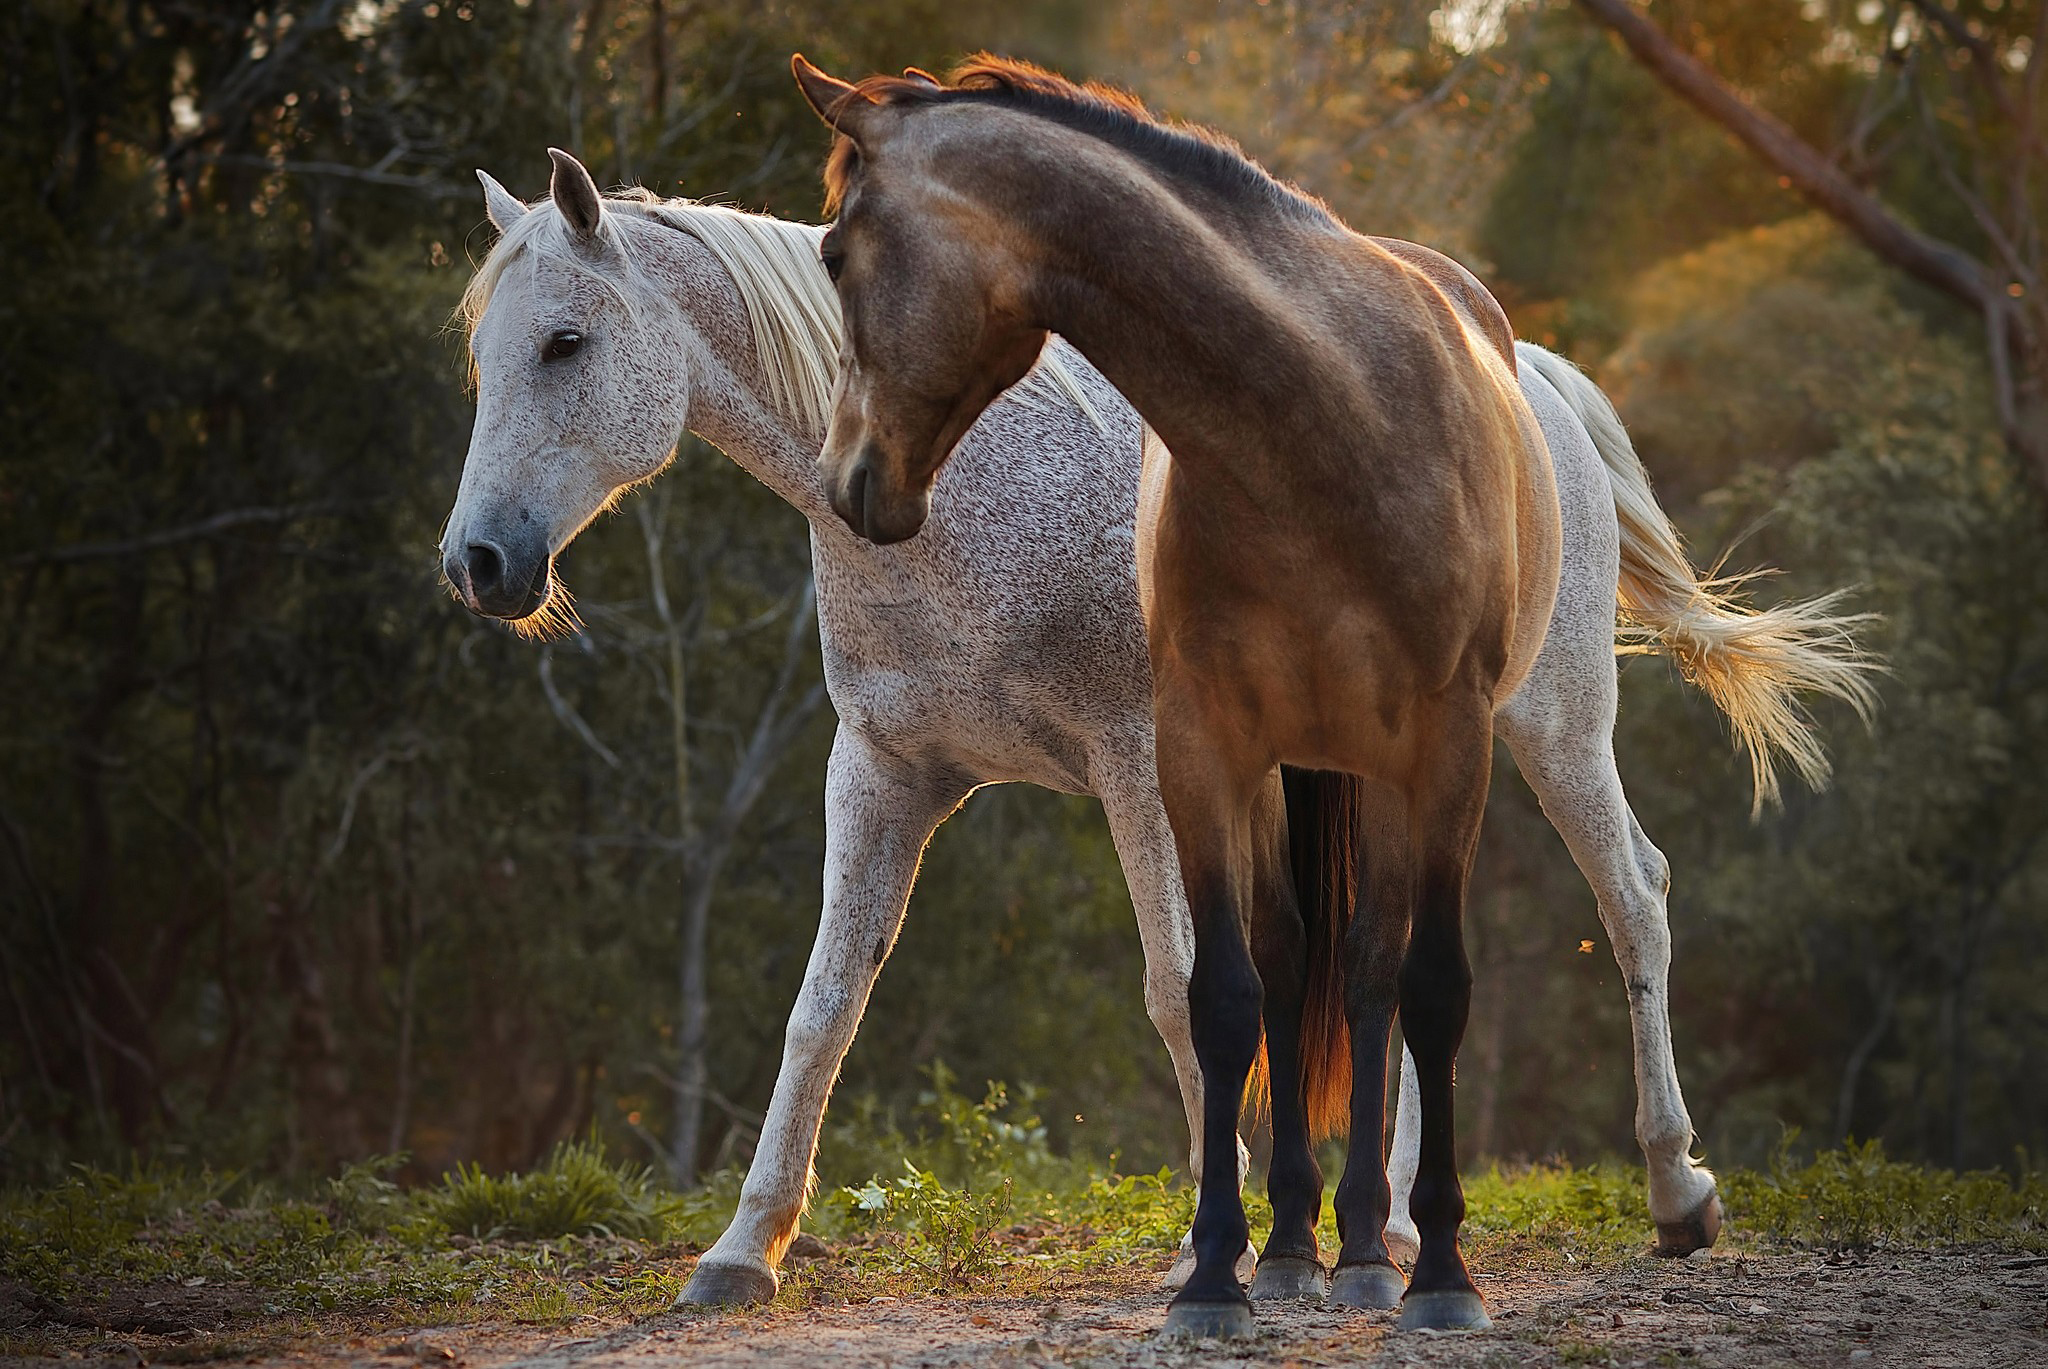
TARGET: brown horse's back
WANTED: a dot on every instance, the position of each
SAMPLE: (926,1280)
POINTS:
(1467,295)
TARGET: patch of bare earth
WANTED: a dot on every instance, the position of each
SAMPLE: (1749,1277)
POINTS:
(1981,1309)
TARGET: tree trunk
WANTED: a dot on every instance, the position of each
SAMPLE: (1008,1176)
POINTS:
(1859,1056)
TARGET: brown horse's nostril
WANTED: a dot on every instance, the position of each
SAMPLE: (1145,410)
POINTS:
(855,509)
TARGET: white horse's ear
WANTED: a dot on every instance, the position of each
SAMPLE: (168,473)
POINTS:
(575,194)
(921,76)
(501,204)
(840,105)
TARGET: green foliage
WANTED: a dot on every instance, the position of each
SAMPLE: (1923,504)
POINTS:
(1855,1197)
(1599,1209)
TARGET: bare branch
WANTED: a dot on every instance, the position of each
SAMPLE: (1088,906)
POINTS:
(566,713)
(373,175)
(169,537)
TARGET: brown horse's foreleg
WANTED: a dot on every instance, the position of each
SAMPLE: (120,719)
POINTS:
(1208,803)
(1366,1275)
(1291,1265)
(1449,798)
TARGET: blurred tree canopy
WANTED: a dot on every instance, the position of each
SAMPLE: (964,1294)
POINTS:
(299,863)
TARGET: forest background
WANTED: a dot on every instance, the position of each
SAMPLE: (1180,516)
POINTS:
(300,863)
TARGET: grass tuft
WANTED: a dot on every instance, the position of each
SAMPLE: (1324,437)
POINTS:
(578,1192)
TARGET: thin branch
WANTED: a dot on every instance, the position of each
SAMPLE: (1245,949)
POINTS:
(170,537)
(566,713)
(372,175)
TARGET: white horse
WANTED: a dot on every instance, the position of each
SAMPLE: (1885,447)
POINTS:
(1004,643)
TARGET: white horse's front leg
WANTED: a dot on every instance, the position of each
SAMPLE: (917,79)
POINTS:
(1144,843)
(878,816)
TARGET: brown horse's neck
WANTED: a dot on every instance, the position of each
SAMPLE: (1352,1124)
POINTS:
(1124,261)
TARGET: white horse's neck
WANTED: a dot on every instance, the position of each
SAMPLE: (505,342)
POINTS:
(731,404)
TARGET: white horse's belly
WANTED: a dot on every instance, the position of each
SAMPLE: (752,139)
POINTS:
(991,720)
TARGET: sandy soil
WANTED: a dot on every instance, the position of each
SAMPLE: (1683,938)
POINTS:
(1950,1310)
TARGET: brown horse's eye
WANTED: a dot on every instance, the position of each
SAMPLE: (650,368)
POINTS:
(561,345)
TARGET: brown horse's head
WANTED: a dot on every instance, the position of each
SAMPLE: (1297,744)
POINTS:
(937,324)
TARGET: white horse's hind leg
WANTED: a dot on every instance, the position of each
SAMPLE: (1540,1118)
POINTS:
(1570,765)
(1144,844)
(1560,727)
(878,816)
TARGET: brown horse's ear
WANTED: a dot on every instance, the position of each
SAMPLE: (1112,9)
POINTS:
(840,105)
(921,76)
(575,194)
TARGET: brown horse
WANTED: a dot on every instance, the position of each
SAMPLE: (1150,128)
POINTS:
(1347,560)
(1348,553)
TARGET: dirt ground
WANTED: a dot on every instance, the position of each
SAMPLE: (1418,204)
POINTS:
(1951,1310)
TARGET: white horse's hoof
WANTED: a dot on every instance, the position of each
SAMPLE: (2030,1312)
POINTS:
(1183,1269)
(1404,1242)
(728,1285)
(1695,1231)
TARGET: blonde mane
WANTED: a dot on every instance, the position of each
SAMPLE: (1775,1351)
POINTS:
(790,303)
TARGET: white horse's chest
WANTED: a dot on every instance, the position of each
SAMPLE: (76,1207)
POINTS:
(990,644)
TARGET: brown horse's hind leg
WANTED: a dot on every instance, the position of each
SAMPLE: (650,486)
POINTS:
(1291,1264)
(1366,1275)
(1448,799)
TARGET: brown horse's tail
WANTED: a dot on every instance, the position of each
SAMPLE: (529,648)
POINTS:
(1323,814)
(1753,663)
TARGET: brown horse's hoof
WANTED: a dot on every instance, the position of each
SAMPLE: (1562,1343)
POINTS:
(1444,1309)
(1373,1287)
(1208,1320)
(1696,1231)
(1183,1269)
(727,1285)
(1287,1276)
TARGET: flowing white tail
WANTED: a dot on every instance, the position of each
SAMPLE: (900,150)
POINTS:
(1753,663)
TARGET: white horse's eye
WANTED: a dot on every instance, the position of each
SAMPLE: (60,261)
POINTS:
(561,345)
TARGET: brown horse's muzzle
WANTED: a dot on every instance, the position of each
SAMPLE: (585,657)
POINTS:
(876,505)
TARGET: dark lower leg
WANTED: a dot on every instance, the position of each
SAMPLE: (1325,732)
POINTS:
(1224,999)
(1436,994)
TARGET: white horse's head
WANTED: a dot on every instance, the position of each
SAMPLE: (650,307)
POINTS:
(582,379)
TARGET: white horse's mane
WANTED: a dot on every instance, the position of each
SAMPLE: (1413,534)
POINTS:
(789,299)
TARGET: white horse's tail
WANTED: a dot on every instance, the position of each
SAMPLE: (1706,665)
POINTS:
(1753,663)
